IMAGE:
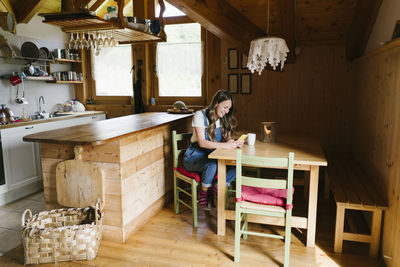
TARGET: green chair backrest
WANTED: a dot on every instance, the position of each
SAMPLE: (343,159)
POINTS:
(264,162)
(175,147)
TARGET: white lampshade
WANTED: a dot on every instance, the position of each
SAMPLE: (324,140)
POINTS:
(272,50)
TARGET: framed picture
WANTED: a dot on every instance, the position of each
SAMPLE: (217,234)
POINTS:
(233,59)
(245,83)
(244,62)
(396,31)
(233,83)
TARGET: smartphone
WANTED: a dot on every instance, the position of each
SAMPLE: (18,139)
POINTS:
(243,137)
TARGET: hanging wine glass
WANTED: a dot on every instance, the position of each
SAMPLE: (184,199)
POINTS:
(112,40)
(106,40)
(100,39)
(83,42)
(97,51)
(91,41)
(77,41)
(71,41)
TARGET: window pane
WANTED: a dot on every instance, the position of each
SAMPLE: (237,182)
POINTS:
(179,61)
(111,70)
(170,11)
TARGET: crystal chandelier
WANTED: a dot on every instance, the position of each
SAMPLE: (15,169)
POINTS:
(272,50)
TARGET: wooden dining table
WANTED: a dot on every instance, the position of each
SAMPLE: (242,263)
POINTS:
(308,156)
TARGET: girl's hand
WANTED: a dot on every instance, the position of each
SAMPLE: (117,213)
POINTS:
(232,144)
(240,143)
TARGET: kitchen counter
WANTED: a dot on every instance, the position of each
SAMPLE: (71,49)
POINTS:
(102,132)
(135,154)
(65,116)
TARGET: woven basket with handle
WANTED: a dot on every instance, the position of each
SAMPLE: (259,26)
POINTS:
(58,235)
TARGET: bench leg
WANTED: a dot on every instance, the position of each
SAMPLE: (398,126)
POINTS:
(339,228)
(375,232)
(306,183)
(326,186)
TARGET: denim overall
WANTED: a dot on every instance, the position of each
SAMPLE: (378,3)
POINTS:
(196,159)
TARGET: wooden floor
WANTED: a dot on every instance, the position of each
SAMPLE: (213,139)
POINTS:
(169,240)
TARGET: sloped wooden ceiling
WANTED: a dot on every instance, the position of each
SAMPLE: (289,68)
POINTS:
(315,21)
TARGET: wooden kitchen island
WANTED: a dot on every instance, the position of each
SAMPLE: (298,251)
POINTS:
(135,154)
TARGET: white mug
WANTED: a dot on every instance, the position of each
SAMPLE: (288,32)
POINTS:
(251,139)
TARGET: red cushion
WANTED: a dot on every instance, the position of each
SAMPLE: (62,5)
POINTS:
(193,175)
(187,173)
(266,196)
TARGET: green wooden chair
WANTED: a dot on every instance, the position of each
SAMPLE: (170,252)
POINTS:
(178,176)
(243,207)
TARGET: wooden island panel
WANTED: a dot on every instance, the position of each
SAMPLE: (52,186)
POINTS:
(138,175)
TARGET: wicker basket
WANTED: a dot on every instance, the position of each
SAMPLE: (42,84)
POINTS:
(58,235)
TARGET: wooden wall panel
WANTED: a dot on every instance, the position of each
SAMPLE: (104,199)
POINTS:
(311,97)
(376,136)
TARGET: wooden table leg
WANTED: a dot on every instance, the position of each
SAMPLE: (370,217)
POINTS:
(312,206)
(221,197)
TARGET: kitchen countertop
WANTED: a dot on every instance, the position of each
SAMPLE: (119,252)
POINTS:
(72,115)
(102,132)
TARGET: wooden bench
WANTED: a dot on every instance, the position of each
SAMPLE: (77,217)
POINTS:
(352,190)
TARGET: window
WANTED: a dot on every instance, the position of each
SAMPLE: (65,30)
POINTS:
(111,73)
(179,62)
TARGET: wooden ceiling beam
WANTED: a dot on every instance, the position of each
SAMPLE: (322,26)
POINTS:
(288,18)
(25,10)
(363,21)
(221,19)
(96,5)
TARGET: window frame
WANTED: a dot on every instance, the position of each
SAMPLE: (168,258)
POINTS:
(169,100)
(106,99)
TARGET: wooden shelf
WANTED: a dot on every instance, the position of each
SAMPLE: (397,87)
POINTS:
(38,78)
(87,23)
(70,82)
(64,60)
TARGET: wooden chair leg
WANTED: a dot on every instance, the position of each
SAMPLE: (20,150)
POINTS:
(237,234)
(194,203)
(176,196)
(339,228)
(245,224)
(288,233)
(375,232)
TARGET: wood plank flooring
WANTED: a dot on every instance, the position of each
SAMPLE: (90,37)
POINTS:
(170,240)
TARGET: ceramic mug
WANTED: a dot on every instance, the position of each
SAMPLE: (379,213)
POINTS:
(251,139)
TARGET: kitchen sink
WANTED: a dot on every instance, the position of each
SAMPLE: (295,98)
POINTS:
(36,117)
(59,115)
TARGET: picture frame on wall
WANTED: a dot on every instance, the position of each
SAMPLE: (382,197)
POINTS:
(245,83)
(233,59)
(233,83)
(244,62)
(396,31)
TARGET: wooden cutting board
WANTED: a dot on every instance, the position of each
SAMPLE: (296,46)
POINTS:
(79,183)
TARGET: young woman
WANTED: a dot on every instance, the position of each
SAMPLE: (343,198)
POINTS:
(212,128)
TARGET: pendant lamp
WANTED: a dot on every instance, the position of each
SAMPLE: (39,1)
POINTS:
(272,50)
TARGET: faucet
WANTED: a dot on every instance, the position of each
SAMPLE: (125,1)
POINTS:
(40,106)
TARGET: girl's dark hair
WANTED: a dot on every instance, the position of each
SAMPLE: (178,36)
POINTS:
(228,122)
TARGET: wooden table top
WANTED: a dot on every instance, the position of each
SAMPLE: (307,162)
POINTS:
(101,132)
(307,151)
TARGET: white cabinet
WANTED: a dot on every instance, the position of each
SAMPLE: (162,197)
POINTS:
(21,160)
